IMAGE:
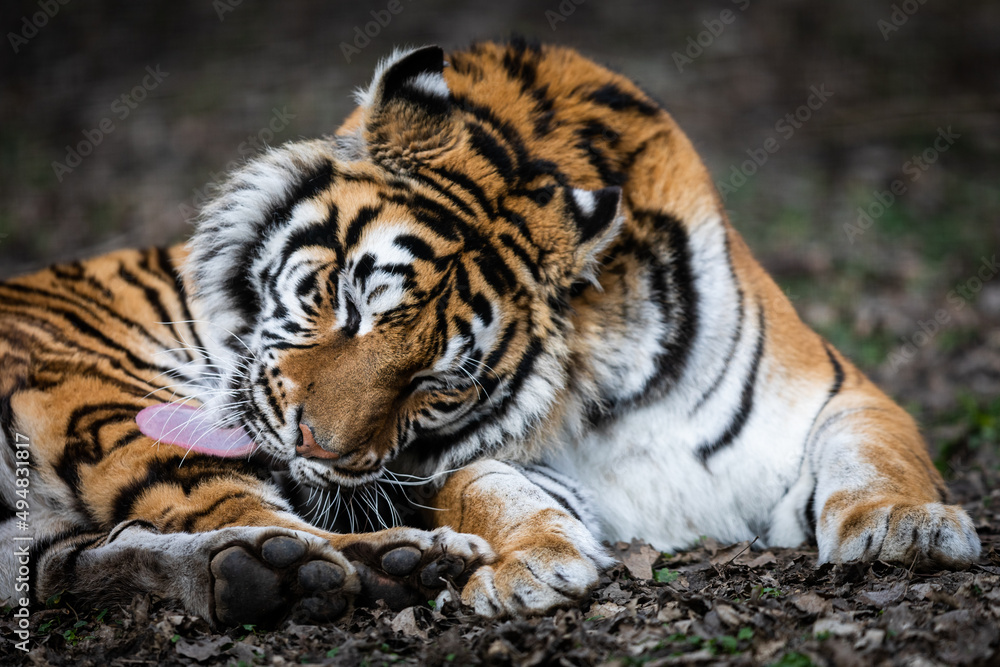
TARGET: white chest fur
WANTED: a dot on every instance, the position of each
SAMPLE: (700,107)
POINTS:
(647,469)
(644,475)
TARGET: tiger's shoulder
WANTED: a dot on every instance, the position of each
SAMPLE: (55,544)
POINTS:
(676,281)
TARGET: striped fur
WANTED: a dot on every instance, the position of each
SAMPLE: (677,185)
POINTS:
(510,278)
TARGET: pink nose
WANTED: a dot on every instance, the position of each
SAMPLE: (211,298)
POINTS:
(309,447)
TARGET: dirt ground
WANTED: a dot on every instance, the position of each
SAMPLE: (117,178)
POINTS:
(717,604)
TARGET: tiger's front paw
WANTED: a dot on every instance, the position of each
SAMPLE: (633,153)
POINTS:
(407,566)
(919,534)
(532,580)
(268,573)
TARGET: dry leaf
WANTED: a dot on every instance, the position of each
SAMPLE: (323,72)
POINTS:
(811,603)
(406,623)
(203,649)
(638,557)
(881,598)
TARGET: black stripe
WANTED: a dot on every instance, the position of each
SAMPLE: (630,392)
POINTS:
(353,322)
(68,580)
(322,234)
(83,444)
(155,294)
(126,440)
(467,184)
(511,136)
(357,224)
(544,113)
(672,287)
(482,308)
(811,510)
(363,270)
(598,160)
(838,373)
(737,333)
(174,277)
(615,98)
(79,325)
(152,297)
(7,414)
(559,498)
(563,499)
(446,192)
(520,68)
(237,284)
(682,311)
(838,383)
(73,273)
(432,215)
(739,419)
(193,517)
(508,241)
(416,246)
(495,271)
(133,523)
(197,469)
(490,149)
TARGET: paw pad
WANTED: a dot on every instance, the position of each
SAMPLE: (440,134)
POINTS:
(402,561)
(285,574)
(321,576)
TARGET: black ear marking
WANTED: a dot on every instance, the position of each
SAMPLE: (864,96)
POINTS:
(416,79)
(593,210)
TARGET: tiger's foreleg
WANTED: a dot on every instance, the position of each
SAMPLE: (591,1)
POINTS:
(231,550)
(546,556)
(230,576)
(878,495)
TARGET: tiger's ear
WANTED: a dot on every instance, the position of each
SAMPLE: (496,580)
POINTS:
(594,221)
(411,79)
(407,108)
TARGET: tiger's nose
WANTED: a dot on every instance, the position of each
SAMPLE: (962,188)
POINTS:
(309,448)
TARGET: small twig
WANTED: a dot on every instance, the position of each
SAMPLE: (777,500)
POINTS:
(72,610)
(752,542)
(909,572)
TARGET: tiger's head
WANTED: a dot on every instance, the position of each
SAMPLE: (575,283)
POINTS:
(397,290)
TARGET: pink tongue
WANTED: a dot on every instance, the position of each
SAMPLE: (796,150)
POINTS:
(191,428)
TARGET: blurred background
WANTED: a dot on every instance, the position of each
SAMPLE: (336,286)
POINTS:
(878,212)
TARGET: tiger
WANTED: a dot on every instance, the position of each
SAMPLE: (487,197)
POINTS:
(506,284)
